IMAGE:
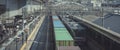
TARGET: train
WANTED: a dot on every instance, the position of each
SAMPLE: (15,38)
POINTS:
(99,40)
(77,31)
(63,39)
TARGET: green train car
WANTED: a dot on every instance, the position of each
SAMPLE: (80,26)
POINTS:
(62,36)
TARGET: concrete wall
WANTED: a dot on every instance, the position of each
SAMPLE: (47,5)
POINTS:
(12,7)
(15,7)
(2,1)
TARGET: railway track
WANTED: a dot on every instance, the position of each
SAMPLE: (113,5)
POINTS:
(40,40)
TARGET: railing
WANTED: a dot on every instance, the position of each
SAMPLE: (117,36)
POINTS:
(15,42)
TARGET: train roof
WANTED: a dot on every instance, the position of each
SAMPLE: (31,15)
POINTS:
(62,34)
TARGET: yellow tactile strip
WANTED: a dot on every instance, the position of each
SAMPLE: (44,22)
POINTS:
(26,44)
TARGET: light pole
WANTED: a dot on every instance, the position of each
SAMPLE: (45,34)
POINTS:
(22,37)
(23,13)
(102,16)
(30,2)
(16,40)
(16,43)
